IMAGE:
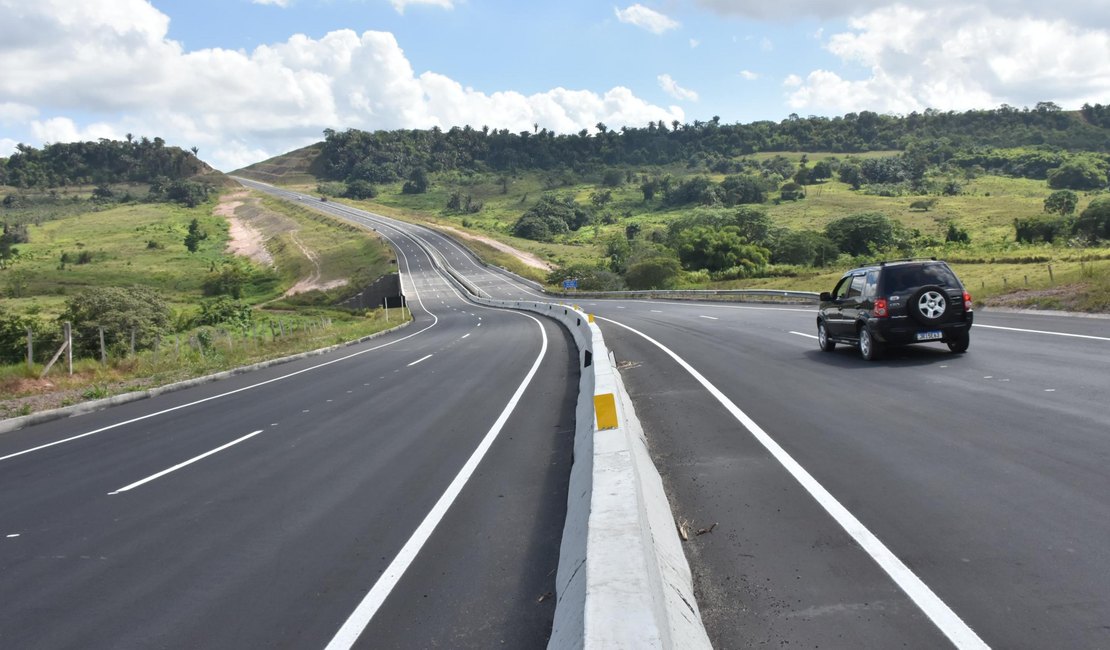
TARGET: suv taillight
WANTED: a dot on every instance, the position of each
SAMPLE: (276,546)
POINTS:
(967,301)
(881,310)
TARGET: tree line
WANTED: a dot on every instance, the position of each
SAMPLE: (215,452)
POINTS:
(389,156)
(102,163)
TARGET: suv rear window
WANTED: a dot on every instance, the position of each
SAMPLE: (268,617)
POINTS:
(897,279)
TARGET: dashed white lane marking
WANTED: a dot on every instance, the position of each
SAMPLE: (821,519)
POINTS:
(946,620)
(13,535)
(185,464)
(808,336)
(656,311)
(709,317)
(1018,329)
(466,335)
(419,360)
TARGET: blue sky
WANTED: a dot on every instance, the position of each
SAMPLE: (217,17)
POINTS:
(247,79)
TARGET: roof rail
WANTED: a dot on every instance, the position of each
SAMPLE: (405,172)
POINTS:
(909,259)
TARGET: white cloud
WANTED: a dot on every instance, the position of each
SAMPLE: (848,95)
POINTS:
(63,129)
(671,87)
(7,147)
(749,75)
(1080,11)
(121,74)
(277,3)
(956,59)
(694,43)
(400,5)
(645,18)
(12,113)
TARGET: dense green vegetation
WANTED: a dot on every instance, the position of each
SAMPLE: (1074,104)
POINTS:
(388,156)
(717,205)
(104,162)
(151,287)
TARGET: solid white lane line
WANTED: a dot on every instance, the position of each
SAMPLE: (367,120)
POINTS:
(186,463)
(958,632)
(809,336)
(709,317)
(1018,329)
(348,634)
(419,360)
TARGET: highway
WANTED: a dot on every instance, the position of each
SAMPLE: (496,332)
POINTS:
(926,500)
(929,499)
(409,491)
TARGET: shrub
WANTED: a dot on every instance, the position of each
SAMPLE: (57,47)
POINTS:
(1034,229)
(865,233)
(118,311)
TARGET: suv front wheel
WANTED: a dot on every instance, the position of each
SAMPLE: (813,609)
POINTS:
(823,340)
(869,348)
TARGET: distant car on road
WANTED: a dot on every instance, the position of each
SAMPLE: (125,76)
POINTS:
(896,303)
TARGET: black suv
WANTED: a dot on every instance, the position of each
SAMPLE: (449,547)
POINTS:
(895,303)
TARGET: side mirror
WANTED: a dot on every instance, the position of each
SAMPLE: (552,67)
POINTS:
(825,297)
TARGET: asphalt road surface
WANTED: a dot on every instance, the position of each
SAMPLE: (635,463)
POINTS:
(923,501)
(405,492)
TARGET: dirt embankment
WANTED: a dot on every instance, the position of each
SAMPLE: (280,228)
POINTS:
(246,240)
(250,226)
(525,257)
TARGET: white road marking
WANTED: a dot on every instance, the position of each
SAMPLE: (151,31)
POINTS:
(808,336)
(186,463)
(656,311)
(1018,329)
(419,360)
(14,535)
(958,632)
(709,317)
(348,634)
(465,335)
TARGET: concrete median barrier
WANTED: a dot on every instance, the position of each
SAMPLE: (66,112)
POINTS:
(623,580)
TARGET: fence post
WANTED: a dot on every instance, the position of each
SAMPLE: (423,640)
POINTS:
(30,349)
(103,350)
(132,341)
(68,330)
(1050,277)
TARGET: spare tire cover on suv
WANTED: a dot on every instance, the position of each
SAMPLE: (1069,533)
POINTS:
(928,305)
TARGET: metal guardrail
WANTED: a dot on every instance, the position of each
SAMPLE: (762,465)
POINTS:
(737,295)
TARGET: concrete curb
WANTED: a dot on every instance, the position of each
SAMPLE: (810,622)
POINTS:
(14,424)
(623,580)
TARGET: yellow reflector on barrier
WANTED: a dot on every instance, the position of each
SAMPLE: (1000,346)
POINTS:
(605,410)
(590,317)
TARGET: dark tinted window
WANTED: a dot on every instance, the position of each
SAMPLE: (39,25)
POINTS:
(857,287)
(897,279)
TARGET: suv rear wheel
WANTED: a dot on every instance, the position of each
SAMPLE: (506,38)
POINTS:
(958,344)
(827,344)
(869,348)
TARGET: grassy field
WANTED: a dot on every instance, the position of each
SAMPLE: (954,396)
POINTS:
(143,244)
(994,266)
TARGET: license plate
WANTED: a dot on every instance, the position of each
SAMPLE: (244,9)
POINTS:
(930,336)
